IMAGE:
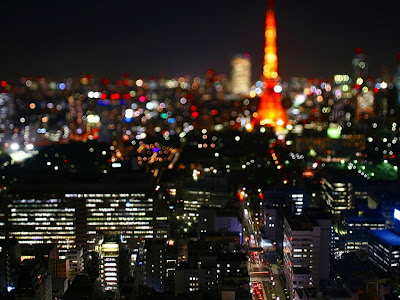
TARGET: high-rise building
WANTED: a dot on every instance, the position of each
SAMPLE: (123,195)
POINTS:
(76,262)
(75,214)
(108,250)
(357,225)
(130,214)
(306,250)
(156,265)
(384,246)
(270,111)
(360,67)
(397,79)
(38,221)
(337,191)
(6,116)
(241,74)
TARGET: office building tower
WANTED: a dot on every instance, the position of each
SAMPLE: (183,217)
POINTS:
(7,112)
(218,220)
(241,74)
(129,214)
(360,67)
(39,221)
(108,251)
(156,265)
(306,249)
(10,258)
(337,191)
(76,262)
(384,246)
(357,225)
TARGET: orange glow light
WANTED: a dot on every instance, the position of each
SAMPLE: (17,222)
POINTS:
(270,111)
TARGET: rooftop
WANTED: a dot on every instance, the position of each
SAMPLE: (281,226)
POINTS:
(387,236)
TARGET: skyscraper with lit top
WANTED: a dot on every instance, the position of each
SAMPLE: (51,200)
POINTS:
(241,74)
(360,66)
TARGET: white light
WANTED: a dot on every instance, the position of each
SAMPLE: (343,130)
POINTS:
(116,165)
(384,85)
(14,146)
(237,138)
(129,113)
(278,89)
(139,82)
(397,214)
(93,119)
(29,147)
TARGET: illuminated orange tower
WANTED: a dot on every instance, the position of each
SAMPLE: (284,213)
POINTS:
(270,111)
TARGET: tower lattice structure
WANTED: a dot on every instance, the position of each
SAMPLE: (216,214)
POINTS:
(270,111)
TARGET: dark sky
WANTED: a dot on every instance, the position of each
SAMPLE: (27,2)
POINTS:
(146,38)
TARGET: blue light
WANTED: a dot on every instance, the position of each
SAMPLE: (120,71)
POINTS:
(128,120)
(171,120)
(156,149)
(103,102)
(61,86)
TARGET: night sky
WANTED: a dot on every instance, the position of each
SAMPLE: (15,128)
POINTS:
(316,38)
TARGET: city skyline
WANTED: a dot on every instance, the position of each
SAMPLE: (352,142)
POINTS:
(174,38)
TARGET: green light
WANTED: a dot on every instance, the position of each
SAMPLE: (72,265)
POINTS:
(334,133)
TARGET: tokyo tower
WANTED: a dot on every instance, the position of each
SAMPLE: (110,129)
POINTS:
(270,111)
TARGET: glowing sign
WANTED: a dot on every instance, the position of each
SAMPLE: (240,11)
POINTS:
(397,214)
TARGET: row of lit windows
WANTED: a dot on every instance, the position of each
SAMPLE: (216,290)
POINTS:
(103,195)
(29,234)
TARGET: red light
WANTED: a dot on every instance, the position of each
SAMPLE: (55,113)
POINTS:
(103,96)
(193,107)
(392,156)
(359,51)
(125,82)
(126,96)
(376,90)
(4,83)
(115,96)
(210,73)
(195,114)
(65,161)
(214,112)
(142,98)
(357,86)
(106,81)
